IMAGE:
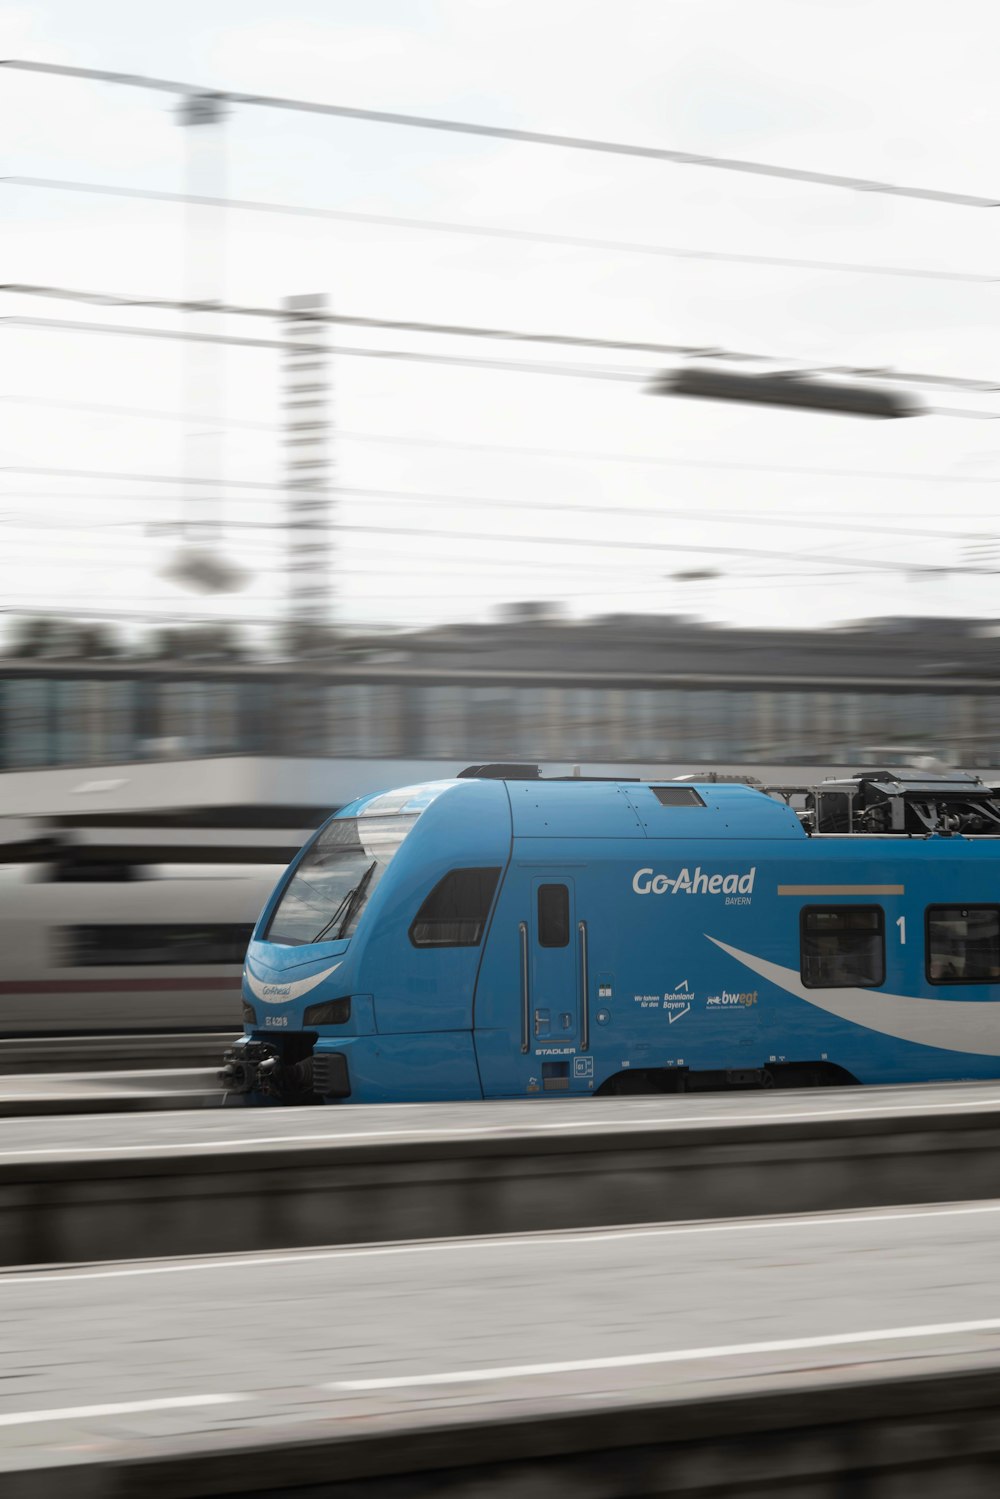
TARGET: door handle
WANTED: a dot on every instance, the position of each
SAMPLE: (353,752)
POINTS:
(584,989)
(522,930)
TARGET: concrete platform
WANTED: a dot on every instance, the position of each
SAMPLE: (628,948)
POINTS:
(813,1355)
(249,1180)
(58,1093)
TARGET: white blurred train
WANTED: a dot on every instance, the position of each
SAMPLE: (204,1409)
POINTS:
(127,897)
(128,894)
(158,951)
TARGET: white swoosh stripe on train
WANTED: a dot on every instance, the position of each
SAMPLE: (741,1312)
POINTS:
(950,1024)
(275,994)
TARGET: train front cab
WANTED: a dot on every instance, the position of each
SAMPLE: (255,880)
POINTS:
(360,978)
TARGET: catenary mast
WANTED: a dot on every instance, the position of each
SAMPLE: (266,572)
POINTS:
(308,465)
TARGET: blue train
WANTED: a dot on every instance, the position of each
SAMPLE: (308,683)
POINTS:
(501,935)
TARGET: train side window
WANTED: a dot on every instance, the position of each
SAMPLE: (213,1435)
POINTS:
(123,945)
(455,912)
(963,944)
(842,947)
(553,916)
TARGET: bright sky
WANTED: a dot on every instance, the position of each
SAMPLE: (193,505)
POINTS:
(900,90)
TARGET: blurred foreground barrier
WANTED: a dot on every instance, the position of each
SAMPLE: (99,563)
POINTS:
(217,1180)
(45,1094)
(931,1434)
(24,1055)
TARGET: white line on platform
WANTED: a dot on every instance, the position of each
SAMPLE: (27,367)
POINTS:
(673,1356)
(597,1123)
(560,1239)
(121,1408)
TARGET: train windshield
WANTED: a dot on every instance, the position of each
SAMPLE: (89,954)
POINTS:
(327,893)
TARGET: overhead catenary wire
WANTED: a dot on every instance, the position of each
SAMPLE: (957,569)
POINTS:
(451,330)
(379,553)
(643,460)
(657,460)
(391,562)
(493,503)
(500,232)
(408,325)
(141,413)
(508,133)
(414,356)
(646,546)
(388,559)
(619,544)
(133,478)
(634,375)
(272,563)
(597,570)
(399,439)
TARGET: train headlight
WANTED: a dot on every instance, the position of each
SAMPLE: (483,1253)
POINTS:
(332,1012)
(249,1014)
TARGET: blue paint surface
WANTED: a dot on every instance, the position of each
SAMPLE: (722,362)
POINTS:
(643,986)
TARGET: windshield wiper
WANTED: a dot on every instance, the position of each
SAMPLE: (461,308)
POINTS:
(357,897)
(346,906)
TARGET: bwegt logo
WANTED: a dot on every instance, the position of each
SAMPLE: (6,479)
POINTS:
(648,882)
(746,998)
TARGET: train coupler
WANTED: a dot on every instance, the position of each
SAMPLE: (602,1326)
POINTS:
(258,1067)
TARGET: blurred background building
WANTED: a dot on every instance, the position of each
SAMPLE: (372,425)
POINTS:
(530,685)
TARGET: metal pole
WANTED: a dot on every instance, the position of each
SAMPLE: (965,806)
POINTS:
(200,563)
(308,468)
(202,116)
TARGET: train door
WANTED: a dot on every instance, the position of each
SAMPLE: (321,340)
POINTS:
(552,969)
(531,1022)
